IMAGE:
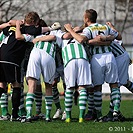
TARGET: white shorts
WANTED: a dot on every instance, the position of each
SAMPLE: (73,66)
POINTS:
(123,65)
(39,63)
(104,68)
(77,72)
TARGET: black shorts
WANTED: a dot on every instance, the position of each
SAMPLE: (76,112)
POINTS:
(10,73)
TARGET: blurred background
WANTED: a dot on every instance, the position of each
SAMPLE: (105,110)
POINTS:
(119,12)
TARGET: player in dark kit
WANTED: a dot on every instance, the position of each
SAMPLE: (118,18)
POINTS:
(12,54)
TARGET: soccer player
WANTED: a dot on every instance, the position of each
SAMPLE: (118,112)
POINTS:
(58,74)
(76,72)
(103,63)
(44,64)
(4,97)
(123,61)
(12,55)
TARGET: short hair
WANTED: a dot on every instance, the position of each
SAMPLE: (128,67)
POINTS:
(91,15)
(32,18)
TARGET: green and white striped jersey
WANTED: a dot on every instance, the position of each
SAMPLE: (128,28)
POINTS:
(98,29)
(72,50)
(49,47)
(2,36)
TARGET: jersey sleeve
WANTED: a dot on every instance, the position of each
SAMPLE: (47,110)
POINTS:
(86,32)
(58,34)
(113,32)
(28,38)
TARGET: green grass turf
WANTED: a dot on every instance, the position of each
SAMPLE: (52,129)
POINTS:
(59,126)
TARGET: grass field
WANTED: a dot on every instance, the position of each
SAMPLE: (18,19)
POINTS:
(58,126)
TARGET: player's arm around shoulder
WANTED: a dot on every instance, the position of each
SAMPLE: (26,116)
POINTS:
(4,25)
(18,34)
(99,41)
(118,37)
(44,38)
(79,37)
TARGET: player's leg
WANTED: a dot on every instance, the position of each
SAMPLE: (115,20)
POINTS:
(129,86)
(48,101)
(98,77)
(70,86)
(64,112)
(4,106)
(56,99)
(15,80)
(98,102)
(91,113)
(2,80)
(3,96)
(68,103)
(30,98)
(123,62)
(48,71)
(22,110)
(116,98)
(84,80)
(38,101)
(82,102)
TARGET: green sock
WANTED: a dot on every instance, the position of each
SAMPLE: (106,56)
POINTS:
(48,101)
(82,102)
(56,97)
(4,104)
(29,104)
(68,102)
(116,98)
(38,101)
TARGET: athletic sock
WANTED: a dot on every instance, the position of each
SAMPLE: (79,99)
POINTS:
(4,104)
(38,101)
(82,102)
(22,111)
(48,102)
(91,102)
(98,103)
(29,104)
(68,102)
(15,101)
(129,86)
(116,98)
(56,99)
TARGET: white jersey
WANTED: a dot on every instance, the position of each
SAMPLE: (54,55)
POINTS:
(98,29)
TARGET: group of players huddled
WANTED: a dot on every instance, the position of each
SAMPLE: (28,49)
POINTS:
(83,57)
